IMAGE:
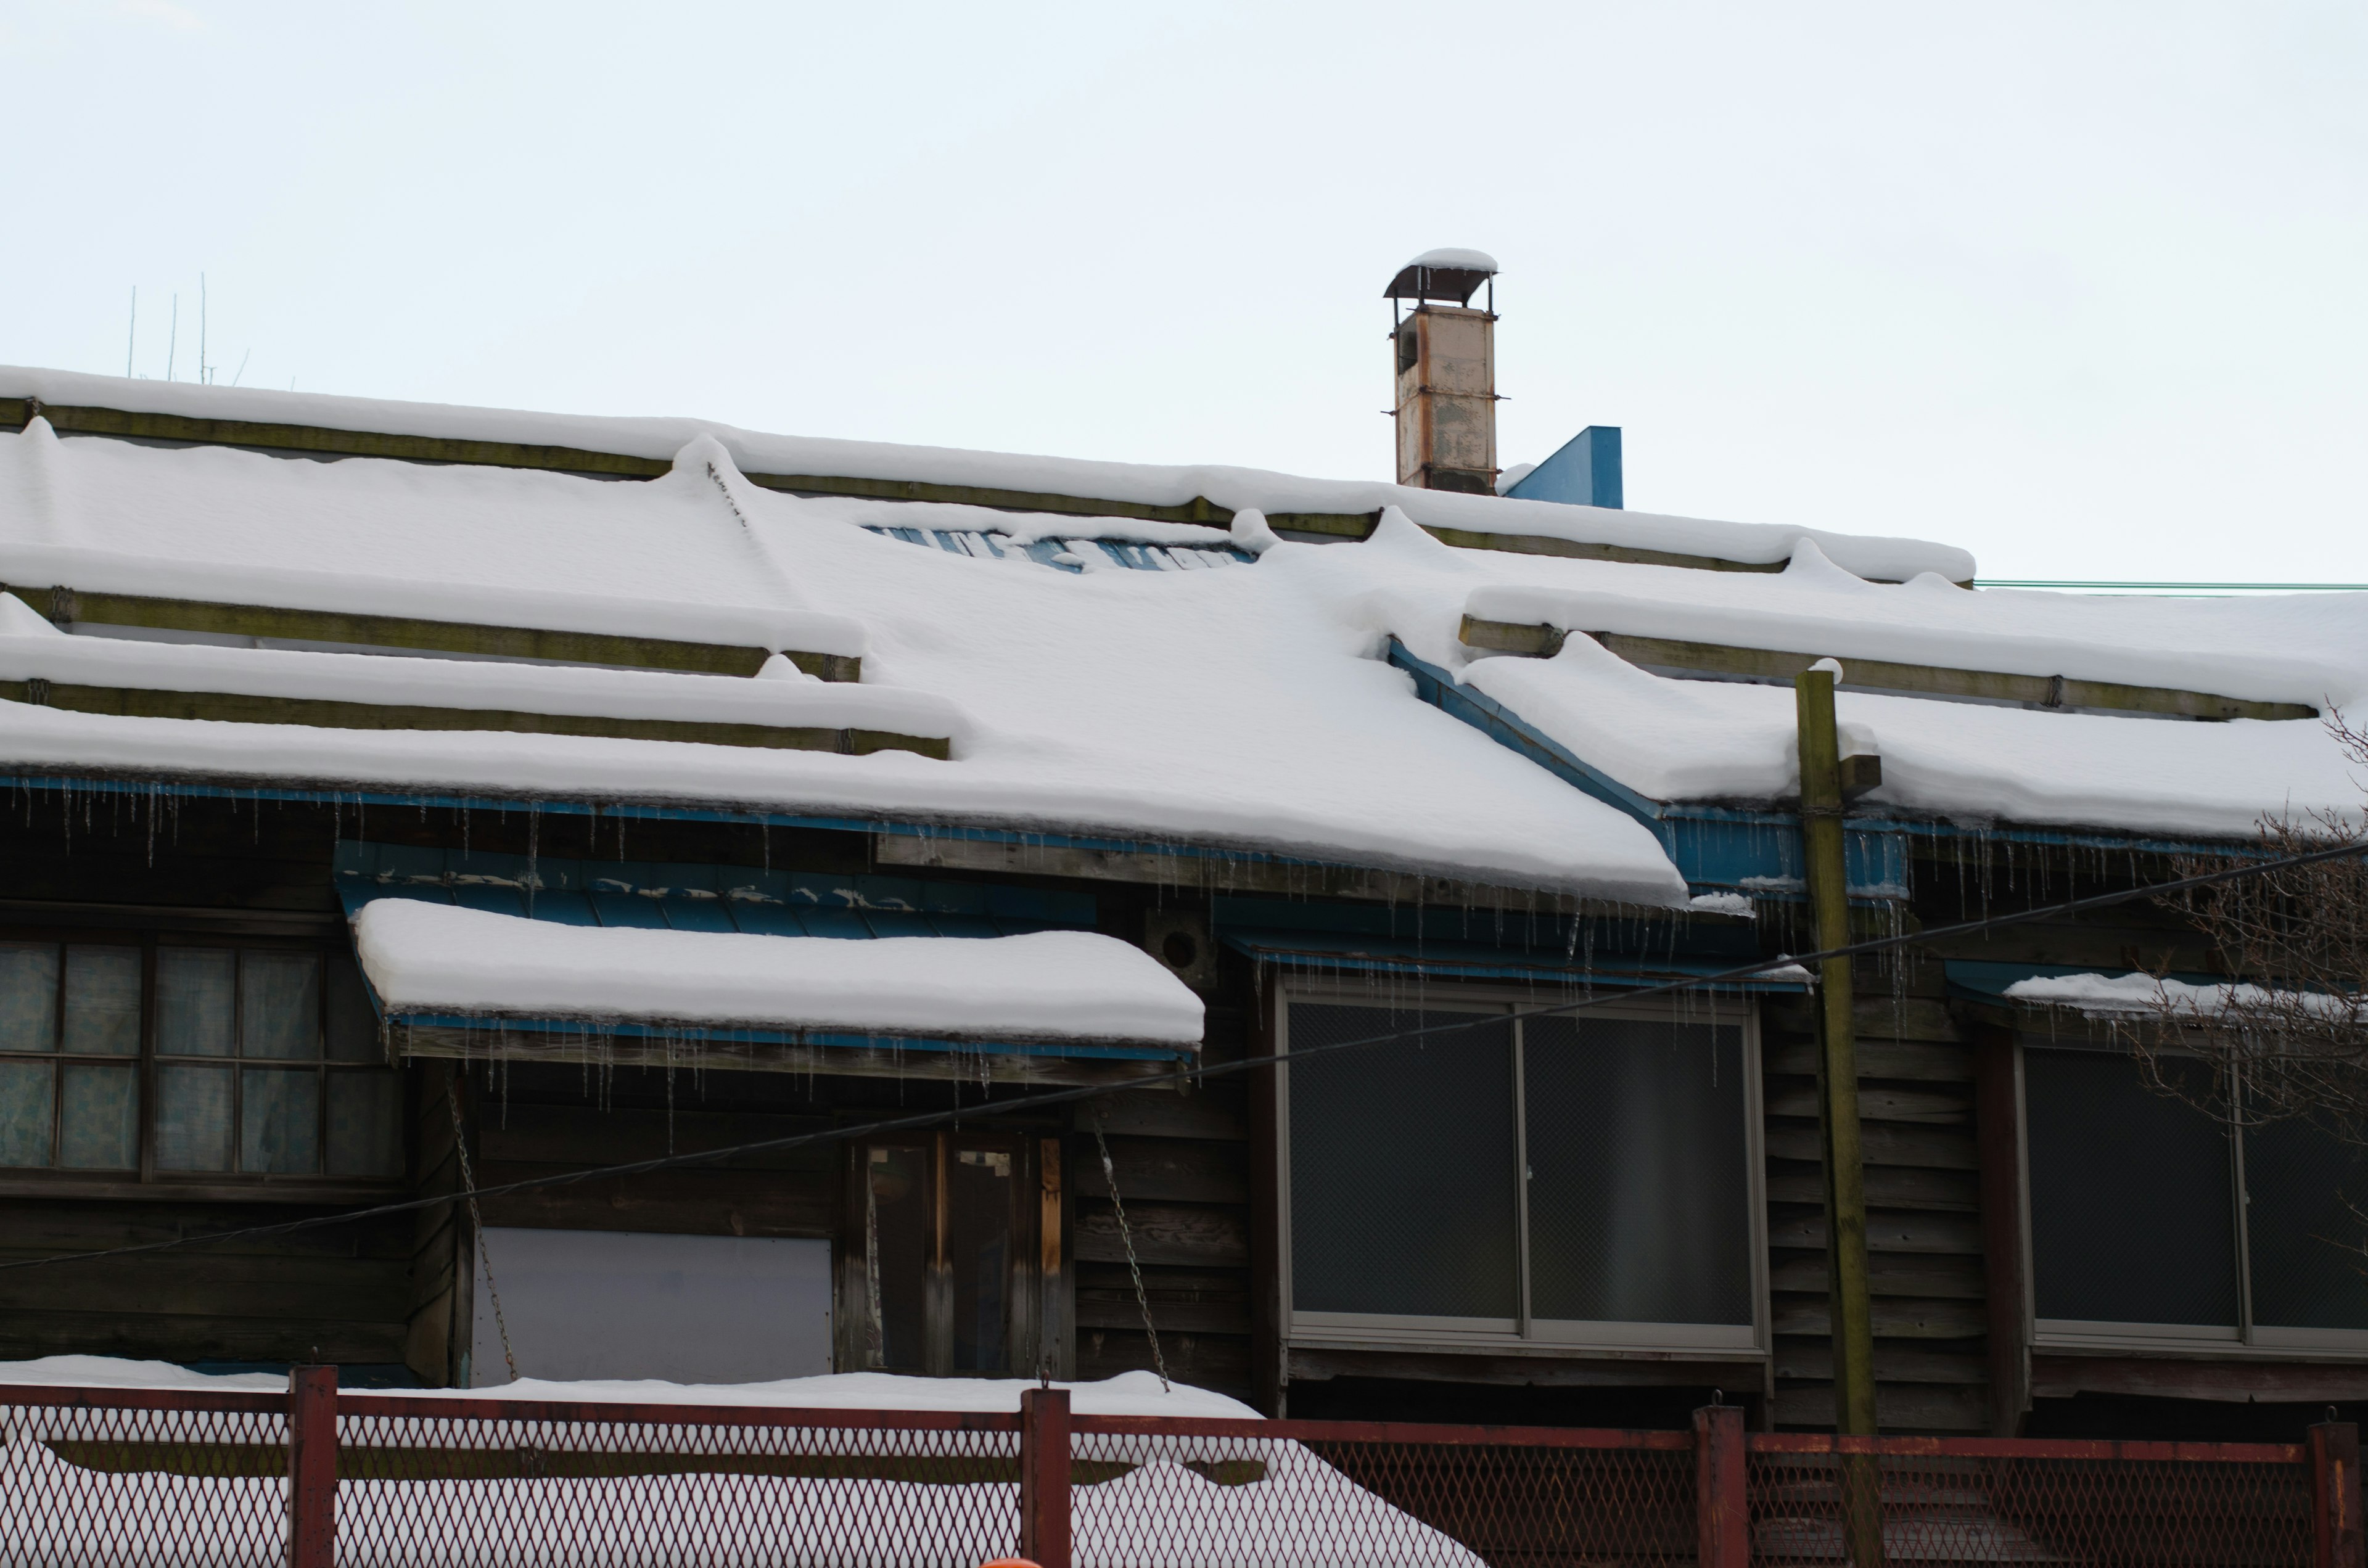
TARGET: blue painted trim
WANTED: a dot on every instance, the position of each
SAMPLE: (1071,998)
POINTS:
(1309,950)
(632,812)
(1757,850)
(698,1034)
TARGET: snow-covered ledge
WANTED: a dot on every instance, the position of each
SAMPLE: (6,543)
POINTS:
(428,959)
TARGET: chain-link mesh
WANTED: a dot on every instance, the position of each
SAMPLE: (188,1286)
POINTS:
(132,1477)
(438,1483)
(1276,1495)
(115,1482)
(1964,1506)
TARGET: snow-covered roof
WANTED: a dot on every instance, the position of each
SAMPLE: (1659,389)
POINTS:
(1048,986)
(1252,708)
(1462,260)
(1700,740)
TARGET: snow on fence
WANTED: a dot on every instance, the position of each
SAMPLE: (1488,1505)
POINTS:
(144,1477)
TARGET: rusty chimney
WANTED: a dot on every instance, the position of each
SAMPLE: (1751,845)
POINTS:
(1446,357)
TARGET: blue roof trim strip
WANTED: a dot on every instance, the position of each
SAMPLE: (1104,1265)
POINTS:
(1758,851)
(1462,960)
(702,897)
(650,812)
(699,1034)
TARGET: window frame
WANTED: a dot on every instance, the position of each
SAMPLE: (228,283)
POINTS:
(1525,1332)
(2245,1338)
(146,1177)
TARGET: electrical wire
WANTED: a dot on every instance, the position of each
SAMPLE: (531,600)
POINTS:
(1183,1076)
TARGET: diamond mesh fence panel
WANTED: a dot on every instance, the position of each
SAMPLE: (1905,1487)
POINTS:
(580,1485)
(1970,1507)
(1279,1494)
(125,1484)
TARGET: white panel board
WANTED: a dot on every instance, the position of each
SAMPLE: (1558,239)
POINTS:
(623,1305)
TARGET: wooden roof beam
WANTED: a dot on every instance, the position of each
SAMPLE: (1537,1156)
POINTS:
(322,714)
(2049,693)
(66,605)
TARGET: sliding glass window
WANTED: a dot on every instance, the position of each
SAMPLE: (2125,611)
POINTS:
(2152,1220)
(1581,1179)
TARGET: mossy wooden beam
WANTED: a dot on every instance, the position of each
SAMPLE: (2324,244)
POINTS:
(309,439)
(66,604)
(239,708)
(2047,692)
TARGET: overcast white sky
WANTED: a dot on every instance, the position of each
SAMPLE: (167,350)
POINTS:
(2078,286)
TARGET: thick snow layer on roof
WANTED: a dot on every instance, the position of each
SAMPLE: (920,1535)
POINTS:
(499,546)
(1245,708)
(1140,483)
(1686,740)
(2120,995)
(1067,986)
(792,701)
(2311,649)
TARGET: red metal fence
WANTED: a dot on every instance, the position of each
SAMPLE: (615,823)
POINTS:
(140,1477)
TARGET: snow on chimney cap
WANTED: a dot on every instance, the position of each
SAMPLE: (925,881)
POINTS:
(1444,274)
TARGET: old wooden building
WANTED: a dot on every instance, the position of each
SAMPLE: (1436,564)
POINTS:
(398,800)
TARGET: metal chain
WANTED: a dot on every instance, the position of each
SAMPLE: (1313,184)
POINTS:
(477,1223)
(1126,1240)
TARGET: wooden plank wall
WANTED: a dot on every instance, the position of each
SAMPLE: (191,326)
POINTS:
(1924,1237)
(1182,1163)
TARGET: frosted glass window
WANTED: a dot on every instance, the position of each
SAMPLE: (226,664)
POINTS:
(280,1006)
(102,1001)
(98,1116)
(2307,1191)
(2133,1210)
(29,996)
(1640,1188)
(364,1124)
(25,1090)
(196,994)
(192,1118)
(280,1121)
(1402,1172)
(353,1024)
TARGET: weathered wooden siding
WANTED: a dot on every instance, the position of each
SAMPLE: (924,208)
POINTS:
(1183,1168)
(1924,1238)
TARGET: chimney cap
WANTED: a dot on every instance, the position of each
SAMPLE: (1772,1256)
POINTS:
(1447,273)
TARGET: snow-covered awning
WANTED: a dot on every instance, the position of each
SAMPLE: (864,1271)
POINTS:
(443,967)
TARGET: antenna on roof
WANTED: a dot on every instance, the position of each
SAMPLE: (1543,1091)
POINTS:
(1446,360)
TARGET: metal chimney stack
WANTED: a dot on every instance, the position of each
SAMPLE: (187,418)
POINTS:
(1445,354)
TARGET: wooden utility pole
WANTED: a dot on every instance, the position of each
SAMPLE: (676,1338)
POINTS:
(1837,1123)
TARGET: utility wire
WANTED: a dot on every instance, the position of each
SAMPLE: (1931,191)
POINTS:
(1196,1074)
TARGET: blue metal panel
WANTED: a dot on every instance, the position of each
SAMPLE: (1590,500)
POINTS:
(1758,852)
(1464,960)
(564,908)
(894,923)
(697,914)
(492,900)
(1584,473)
(693,1034)
(629,910)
